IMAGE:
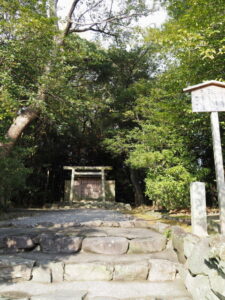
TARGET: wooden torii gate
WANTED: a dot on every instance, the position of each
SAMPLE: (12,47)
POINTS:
(87,171)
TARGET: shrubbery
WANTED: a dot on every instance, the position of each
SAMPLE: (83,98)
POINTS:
(170,189)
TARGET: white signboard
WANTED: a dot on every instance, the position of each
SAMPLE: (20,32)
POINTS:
(208,99)
(209,96)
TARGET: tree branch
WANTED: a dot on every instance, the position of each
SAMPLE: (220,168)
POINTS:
(69,18)
(111,19)
(103,31)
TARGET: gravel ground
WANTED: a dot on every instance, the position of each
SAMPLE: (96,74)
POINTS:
(71,215)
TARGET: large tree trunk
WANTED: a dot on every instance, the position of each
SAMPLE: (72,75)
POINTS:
(16,129)
(138,195)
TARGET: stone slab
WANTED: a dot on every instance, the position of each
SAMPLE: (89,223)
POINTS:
(162,270)
(82,257)
(217,244)
(200,254)
(130,272)
(147,245)
(14,295)
(139,223)
(217,282)
(15,268)
(61,295)
(41,274)
(105,245)
(105,289)
(190,241)
(57,271)
(132,233)
(199,287)
(160,227)
(178,235)
(88,271)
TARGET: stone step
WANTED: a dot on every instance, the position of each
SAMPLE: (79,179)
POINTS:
(97,290)
(46,268)
(100,240)
(45,258)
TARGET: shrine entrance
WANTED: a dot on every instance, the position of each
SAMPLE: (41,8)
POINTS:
(89,183)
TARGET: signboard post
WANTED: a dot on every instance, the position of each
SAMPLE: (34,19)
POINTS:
(210,97)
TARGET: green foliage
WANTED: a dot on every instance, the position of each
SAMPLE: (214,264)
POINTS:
(73,78)
(26,44)
(171,188)
(13,176)
(191,48)
(128,102)
(164,138)
(162,151)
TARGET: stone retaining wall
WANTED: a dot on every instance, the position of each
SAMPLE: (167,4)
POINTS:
(203,259)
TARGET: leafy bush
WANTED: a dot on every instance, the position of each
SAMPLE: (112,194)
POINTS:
(170,189)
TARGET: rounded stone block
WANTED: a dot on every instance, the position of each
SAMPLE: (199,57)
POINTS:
(63,244)
(105,245)
(147,245)
(17,243)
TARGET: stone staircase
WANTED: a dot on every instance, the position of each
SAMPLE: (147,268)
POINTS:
(90,261)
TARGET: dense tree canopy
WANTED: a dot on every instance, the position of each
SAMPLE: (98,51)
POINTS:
(66,100)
